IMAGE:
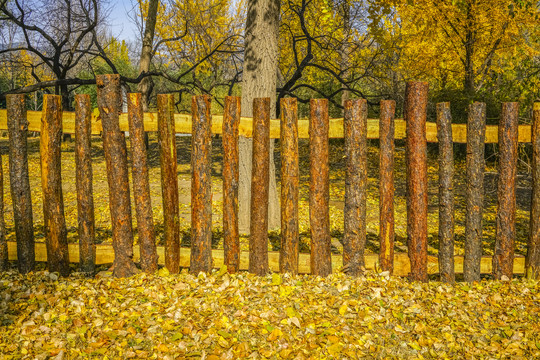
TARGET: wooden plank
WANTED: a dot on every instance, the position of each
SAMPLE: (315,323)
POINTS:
(183,126)
(105,255)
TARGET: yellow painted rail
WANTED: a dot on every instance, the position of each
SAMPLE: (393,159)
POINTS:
(105,255)
(183,126)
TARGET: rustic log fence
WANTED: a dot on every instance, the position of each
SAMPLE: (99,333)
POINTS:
(356,128)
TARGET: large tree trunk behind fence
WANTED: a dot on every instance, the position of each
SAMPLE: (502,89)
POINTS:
(476,135)
(354,237)
(114,146)
(532,263)
(51,183)
(319,195)
(201,185)
(386,186)
(19,182)
(141,185)
(446,193)
(503,256)
(169,181)
(4,258)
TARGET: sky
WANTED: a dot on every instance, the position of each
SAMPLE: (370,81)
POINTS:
(122,26)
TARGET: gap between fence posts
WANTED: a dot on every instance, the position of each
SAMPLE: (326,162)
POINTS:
(169,181)
(532,263)
(476,133)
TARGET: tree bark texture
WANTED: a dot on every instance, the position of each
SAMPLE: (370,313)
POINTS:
(476,136)
(231,237)
(114,146)
(169,181)
(258,240)
(19,182)
(201,185)
(503,256)
(141,185)
(446,193)
(386,185)
(259,81)
(288,253)
(319,190)
(532,261)
(4,258)
(416,94)
(354,237)
(51,184)
(83,183)
(145,86)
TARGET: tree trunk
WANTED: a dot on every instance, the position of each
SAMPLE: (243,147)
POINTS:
(532,262)
(259,80)
(4,259)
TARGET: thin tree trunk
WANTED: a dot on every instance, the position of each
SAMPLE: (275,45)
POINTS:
(532,262)
(145,86)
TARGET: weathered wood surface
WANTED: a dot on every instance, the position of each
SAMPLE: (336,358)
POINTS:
(3,242)
(533,248)
(105,255)
(183,126)
(51,185)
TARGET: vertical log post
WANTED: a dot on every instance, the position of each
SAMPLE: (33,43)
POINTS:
(231,236)
(503,256)
(446,193)
(201,185)
(416,94)
(20,182)
(114,146)
(386,186)
(169,181)
(83,183)
(51,184)
(319,190)
(260,178)
(354,237)
(476,136)
(288,253)
(141,184)
(532,261)
(4,256)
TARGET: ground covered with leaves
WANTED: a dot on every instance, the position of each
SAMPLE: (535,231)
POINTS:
(223,316)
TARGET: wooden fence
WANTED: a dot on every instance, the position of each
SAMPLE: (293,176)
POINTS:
(355,127)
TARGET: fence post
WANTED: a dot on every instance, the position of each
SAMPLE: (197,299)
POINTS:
(201,185)
(83,183)
(141,185)
(114,146)
(260,178)
(354,237)
(51,183)
(532,261)
(416,94)
(319,195)
(231,236)
(169,181)
(288,253)
(476,136)
(4,256)
(503,256)
(19,182)
(386,185)
(446,193)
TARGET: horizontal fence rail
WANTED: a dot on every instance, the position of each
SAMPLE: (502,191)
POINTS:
(183,125)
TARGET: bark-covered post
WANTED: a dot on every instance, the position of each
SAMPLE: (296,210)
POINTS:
(20,182)
(288,253)
(503,256)
(83,183)
(260,178)
(201,185)
(354,237)
(386,185)
(169,181)
(476,136)
(4,258)
(231,236)
(416,95)
(141,184)
(114,146)
(532,261)
(319,188)
(446,193)
(51,184)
